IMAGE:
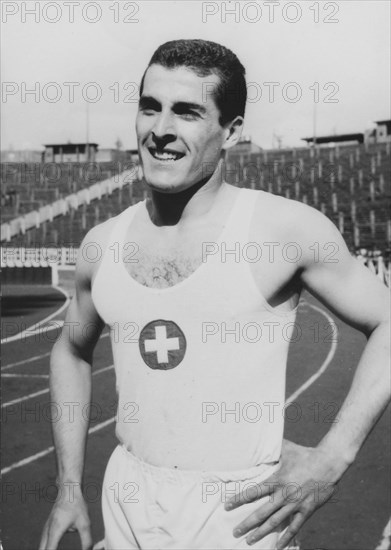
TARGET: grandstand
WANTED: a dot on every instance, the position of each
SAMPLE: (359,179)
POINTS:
(57,203)
(349,184)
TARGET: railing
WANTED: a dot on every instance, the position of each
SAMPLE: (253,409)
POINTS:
(38,257)
(66,257)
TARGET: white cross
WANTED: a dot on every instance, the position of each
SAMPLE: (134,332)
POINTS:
(161,344)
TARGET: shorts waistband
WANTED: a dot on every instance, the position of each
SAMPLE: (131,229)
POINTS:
(262,470)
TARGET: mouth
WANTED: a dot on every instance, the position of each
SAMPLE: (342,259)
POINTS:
(165,155)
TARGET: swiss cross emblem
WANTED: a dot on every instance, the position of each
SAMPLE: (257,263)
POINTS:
(162,344)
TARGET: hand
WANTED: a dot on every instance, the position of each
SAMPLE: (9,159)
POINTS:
(67,515)
(304,482)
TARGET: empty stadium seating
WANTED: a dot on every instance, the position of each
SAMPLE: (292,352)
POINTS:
(350,184)
(26,186)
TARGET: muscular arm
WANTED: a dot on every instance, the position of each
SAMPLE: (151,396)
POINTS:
(70,378)
(358,297)
(70,389)
(355,295)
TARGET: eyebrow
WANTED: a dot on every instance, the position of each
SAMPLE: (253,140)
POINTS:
(146,101)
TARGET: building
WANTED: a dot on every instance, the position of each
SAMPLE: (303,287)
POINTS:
(70,152)
(380,134)
(83,152)
(245,145)
(132,155)
(332,140)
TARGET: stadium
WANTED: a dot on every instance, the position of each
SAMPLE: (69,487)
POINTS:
(53,204)
(69,164)
(48,208)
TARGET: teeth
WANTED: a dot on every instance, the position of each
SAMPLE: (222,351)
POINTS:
(165,155)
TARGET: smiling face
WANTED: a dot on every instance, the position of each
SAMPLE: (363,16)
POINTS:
(178,131)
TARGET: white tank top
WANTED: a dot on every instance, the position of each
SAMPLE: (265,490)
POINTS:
(200,366)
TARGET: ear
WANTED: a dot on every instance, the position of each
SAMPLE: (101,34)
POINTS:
(233,132)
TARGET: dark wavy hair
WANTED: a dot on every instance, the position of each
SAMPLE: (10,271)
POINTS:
(205,58)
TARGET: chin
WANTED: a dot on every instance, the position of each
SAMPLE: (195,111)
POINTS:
(163,185)
(165,182)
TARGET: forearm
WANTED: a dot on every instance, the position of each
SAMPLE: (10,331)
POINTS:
(70,388)
(366,400)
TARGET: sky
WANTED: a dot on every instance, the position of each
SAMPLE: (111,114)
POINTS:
(85,59)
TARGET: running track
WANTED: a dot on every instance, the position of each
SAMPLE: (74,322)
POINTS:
(319,373)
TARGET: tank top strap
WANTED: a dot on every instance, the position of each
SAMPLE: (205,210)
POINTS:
(119,230)
(238,225)
(111,254)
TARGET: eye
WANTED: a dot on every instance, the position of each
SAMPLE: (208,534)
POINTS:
(189,116)
(187,113)
(148,106)
(147,110)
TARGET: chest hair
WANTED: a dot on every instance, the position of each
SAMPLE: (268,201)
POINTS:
(162,271)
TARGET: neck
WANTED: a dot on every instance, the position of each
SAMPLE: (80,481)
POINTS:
(170,208)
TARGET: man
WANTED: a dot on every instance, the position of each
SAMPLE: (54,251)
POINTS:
(184,476)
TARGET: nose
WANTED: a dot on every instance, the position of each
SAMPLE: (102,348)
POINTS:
(164,128)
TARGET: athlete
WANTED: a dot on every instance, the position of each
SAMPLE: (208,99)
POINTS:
(184,290)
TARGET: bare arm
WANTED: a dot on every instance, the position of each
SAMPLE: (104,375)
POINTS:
(358,297)
(351,291)
(70,389)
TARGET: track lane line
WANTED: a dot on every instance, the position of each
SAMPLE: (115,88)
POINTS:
(325,363)
(29,360)
(20,399)
(48,450)
(42,356)
(385,541)
(46,390)
(16,375)
(30,331)
(34,330)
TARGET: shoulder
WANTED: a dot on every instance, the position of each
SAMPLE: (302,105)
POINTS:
(289,214)
(100,233)
(92,249)
(290,221)
(290,210)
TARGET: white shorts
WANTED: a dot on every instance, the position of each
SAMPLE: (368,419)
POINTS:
(150,508)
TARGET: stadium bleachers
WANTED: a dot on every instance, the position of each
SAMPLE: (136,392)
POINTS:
(349,184)
(69,229)
(27,186)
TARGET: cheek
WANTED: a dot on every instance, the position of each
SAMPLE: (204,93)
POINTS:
(215,137)
(137,122)
(142,125)
(210,144)
(212,147)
